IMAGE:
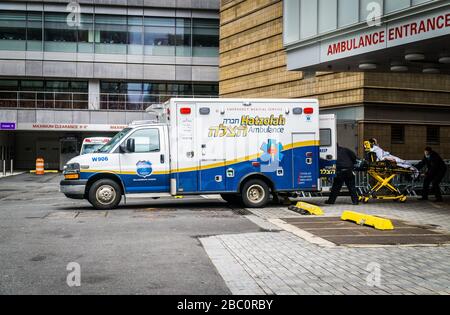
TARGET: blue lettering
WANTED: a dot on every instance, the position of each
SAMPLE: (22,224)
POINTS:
(100,159)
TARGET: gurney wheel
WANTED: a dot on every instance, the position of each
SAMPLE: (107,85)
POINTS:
(365,200)
(403,199)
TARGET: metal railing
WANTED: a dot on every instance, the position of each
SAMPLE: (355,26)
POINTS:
(76,101)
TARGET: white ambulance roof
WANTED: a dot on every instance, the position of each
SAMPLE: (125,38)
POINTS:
(96,140)
(254,100)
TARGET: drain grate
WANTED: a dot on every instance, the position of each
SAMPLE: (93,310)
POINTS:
(334,230)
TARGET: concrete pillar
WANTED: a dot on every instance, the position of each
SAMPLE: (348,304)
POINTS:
(94,94)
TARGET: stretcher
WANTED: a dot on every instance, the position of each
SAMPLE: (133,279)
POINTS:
(382,175)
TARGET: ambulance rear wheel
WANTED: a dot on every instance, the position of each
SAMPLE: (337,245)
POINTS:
(105,194)
(255,194)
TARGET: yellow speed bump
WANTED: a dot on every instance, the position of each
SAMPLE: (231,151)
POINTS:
(312,209)
(46,171)
(370,220)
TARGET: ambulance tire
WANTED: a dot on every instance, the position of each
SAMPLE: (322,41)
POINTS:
(255,194)
(105,194)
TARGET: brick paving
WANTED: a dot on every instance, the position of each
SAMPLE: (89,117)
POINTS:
(282,263)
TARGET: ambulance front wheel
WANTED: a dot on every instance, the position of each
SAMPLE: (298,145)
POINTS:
(105,194)
(255,194)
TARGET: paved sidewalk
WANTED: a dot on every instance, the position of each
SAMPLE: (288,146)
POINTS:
(283,263)
(8,174)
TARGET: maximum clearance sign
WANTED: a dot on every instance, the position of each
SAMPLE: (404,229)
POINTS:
(389,35)
(69,127)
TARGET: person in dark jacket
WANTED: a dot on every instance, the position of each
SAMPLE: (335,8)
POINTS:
(436,170)
(346,159)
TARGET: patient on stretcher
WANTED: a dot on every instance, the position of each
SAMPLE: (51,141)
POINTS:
(386,156)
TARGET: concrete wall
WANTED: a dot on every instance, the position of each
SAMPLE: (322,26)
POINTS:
(71,116)
(66,65)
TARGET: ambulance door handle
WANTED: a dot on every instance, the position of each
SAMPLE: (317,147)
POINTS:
(162,159)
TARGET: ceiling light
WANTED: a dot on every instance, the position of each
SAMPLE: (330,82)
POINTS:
(445,60)
(431,71)
(415,57)
(367,66)
(399,68)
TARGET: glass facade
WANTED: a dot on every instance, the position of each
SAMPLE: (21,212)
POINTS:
(66,94)
(139,95)
(305,19)
(44,94)
(109,34)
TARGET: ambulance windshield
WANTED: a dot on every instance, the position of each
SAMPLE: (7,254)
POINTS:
(112,143)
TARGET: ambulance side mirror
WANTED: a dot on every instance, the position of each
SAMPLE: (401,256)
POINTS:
(131,145)
(128,146)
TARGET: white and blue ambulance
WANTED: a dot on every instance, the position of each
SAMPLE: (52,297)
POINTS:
(242,149)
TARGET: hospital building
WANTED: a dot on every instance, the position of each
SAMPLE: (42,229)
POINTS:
(383,67)
(74,69)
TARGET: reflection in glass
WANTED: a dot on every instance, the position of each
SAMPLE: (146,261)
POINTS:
(111,34)
(86,34)
(159,36)
(12,30)
(58,36)
(34,31)
(206,38)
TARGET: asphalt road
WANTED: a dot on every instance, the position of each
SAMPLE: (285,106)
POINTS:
(150,247)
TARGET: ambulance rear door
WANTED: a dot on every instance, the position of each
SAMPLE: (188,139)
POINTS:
(328,149)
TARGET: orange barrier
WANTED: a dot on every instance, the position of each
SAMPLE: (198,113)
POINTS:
(40,166)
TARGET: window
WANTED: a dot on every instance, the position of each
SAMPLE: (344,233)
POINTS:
(146,140)
(12,30)
(111,34)
(183,37)
(9,85)
(433,135)
(30,85)
(58,36)
(34,31)
(325,138)
(135,35)
(397,134)
(159,36)
(206,38)
(308,18)
(348,12)
(206,89)
(86,34)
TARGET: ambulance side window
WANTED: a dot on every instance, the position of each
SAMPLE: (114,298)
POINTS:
(146,140)
(325,138)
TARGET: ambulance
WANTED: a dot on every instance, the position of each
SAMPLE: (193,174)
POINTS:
(91,145)
(246,150)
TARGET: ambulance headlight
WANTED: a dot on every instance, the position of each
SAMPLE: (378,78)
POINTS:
(72,171)
(72,167)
